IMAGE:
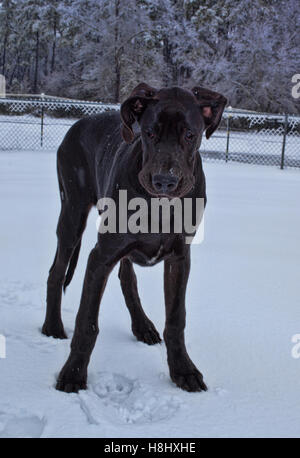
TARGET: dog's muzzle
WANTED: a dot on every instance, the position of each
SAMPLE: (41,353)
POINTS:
(164,183)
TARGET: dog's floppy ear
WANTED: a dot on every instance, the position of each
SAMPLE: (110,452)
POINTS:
(133,107)
(212,105)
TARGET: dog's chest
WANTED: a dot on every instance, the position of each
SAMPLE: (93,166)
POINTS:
(156,258)
(151,255)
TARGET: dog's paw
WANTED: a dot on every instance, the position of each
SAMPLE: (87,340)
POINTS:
(146,333)
(55,330)
(190,382)
(72,377)
(70,386)
(186,376)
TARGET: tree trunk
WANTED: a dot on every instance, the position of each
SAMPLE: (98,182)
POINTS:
(36,69)
(168,74)
(4,53)
(14,70)
(117,54)
(54,44)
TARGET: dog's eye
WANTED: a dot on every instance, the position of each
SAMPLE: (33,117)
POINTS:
(189,136)
(150,134)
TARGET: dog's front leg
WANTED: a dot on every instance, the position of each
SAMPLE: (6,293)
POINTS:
(182,370)
(73,375)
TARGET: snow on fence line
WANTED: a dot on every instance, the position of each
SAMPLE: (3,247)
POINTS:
(40,123)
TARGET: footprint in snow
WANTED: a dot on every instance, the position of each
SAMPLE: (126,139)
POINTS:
(131,400)
(19,294)
(25,426)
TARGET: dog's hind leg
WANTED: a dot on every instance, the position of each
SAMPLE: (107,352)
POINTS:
(71,224)
(143,329)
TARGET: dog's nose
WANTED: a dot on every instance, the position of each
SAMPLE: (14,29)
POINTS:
(164,182)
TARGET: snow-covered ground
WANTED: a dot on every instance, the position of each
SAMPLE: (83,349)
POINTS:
(243,307)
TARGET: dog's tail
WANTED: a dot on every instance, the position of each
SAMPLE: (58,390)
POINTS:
(72,266)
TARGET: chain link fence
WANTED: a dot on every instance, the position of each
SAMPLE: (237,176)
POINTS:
(255,138)
(40,123)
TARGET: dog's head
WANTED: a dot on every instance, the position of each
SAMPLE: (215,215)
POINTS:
(172,121)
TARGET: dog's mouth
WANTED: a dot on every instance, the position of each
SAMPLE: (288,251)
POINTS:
(183,187)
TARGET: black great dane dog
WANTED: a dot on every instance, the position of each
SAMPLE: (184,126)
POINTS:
(100,155)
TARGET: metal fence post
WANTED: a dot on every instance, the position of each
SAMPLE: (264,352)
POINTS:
(42,122)
(284,141)
(228,134)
